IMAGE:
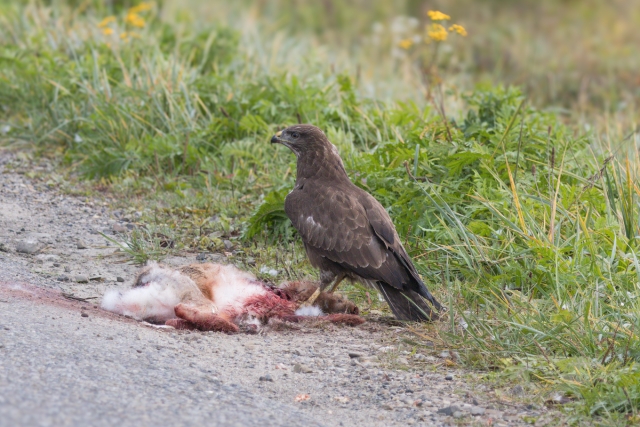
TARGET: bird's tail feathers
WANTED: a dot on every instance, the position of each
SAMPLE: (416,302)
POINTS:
(407,304)
(425,293)
(422,288)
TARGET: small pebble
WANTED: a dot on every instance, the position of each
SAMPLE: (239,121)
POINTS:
(67,269)
(56,264)
(227,244)
(476,410)
(449,410)
(84,315)
(119,279)
(266,378)
(449,377)
(119,228)
(301,369)
(354,355)
(201,257)
(81,278)
(81,245)
(27,247)
(251,261)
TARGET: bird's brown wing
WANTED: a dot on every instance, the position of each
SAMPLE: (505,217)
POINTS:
(385,230)
(334,223)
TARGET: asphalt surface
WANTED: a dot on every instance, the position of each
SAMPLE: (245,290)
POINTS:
(58,368)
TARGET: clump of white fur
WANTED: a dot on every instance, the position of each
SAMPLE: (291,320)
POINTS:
(309,311)
(231,287)
(162,290)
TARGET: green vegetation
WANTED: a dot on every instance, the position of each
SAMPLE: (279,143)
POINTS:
(521,215)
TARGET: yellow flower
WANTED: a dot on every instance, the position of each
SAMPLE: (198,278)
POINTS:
(106,21)
(405,44)
(107,31)
(437,32)
(142,7)
(458,29)
(129,35)
(134,19)
(438,16)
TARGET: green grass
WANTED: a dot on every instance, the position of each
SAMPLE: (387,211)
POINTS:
(519,206)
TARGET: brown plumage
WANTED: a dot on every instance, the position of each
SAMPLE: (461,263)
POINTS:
(346,232)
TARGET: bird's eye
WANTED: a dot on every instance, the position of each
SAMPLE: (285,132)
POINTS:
(295,135)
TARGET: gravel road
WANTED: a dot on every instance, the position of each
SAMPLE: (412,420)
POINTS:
(65,362)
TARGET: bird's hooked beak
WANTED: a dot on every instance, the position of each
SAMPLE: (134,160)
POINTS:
(277,138)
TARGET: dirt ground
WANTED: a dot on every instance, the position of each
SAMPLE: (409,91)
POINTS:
(55,266)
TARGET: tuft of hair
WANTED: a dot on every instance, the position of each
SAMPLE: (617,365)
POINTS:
(157,292)
(301,290)
(309,311)
(345,319)
(111,300)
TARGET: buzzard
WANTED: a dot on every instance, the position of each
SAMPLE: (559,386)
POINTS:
(346,232)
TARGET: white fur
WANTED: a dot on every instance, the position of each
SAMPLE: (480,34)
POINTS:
(163,289)
(233,287)
(309,311)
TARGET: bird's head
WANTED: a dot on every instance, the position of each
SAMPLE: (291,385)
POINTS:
(315,153)
(302,139)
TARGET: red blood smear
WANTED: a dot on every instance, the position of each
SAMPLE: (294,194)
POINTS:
(269,305)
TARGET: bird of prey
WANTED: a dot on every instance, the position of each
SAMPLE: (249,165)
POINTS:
(346,231)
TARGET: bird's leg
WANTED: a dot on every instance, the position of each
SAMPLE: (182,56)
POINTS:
(339,279)
(312,299)
(326,277)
